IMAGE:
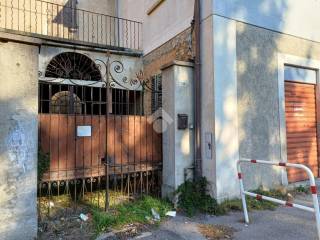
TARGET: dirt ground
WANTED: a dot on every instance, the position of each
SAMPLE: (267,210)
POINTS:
(63,223)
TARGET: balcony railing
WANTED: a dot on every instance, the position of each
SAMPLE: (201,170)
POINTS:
(67,23)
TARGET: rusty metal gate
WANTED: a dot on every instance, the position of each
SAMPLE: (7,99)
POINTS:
(98,132)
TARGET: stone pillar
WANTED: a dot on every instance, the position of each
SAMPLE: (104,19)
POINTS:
(177,97)
(18,140)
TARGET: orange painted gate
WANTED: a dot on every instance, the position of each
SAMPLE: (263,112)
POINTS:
(301,122)
(98,132)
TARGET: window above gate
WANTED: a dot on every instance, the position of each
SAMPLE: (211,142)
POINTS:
(72,65)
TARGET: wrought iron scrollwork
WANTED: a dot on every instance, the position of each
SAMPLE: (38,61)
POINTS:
(74,66)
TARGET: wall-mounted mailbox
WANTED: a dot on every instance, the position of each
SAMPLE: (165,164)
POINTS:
(182,121)
(84,131)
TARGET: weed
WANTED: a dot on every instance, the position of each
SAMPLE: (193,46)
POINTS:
(194,198)
(302,189)
(138,211)
(252,203)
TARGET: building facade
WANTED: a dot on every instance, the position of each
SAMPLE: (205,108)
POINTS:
(84,80)
(258,86)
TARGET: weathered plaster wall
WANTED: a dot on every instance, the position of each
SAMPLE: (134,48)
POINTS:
(18,140)
(258,107)
(177,144)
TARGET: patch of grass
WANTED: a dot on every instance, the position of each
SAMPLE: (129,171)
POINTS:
(194,198)
(252,203)
(138,211)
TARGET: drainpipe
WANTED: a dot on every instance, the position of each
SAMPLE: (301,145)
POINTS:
(197,92)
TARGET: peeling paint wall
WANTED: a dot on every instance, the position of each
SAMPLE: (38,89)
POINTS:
(18,140)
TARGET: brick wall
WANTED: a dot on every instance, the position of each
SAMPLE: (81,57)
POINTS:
(178,48)
(181,48)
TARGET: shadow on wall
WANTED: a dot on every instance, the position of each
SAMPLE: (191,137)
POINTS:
(18,155)
(67,16)
(258,103)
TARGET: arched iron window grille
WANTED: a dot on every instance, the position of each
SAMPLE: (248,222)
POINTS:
(72,65)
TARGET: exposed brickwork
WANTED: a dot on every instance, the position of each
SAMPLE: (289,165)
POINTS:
(178,48)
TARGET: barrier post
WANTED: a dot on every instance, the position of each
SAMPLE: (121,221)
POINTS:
(313,189)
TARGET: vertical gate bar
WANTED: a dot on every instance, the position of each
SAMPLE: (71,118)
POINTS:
(74,105)
(107,204)
(59,113)
(121,138)
(99,152)
(114,139)
(92,134)
(50,122)
(84,97)
(69,111)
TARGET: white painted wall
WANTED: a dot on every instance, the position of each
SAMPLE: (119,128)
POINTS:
(295,17)
(169,19)
(226,108)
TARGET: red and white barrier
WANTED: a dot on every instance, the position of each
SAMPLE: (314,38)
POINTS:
(313,189)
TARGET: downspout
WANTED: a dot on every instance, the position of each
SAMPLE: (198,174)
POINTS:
(197,91)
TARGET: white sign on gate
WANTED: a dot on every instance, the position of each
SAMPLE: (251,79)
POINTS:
(83,131)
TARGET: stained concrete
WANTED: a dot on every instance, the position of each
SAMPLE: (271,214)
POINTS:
(18,140)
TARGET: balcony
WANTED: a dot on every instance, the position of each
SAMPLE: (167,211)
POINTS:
(68,24)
